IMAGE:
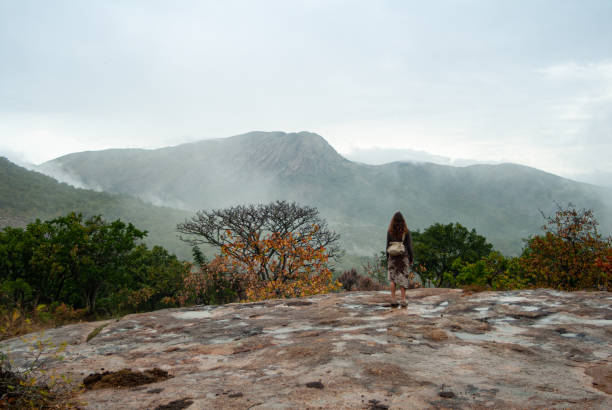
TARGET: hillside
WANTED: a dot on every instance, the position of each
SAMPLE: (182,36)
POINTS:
(28,195)
(448,349)
(500,201)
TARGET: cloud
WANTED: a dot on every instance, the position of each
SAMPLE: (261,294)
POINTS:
(580,112)
(497,82)
(585,71)
(585,90)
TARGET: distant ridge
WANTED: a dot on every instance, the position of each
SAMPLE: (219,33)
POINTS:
(380,156)
(500,201)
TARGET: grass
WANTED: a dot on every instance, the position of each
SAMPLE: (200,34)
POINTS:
(96,331)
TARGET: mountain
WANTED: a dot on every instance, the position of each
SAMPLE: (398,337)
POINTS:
(502,202)
(27,195)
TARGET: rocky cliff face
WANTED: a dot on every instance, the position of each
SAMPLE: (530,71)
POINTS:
(447,349)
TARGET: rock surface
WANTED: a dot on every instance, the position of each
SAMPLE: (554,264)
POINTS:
(447,349)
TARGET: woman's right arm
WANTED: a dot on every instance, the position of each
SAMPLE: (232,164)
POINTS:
(408,246)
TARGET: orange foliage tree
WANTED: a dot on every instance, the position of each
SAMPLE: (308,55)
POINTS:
(279,265)
(273,250)
(571,254)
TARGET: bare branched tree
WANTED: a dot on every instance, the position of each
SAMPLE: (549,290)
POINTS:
(252,222)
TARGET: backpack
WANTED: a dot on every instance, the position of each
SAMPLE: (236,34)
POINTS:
(397,248)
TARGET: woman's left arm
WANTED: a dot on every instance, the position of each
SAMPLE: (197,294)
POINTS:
(387,246)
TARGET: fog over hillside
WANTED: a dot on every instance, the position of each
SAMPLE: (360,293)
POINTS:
(27,195)
(501,201)
(380,156)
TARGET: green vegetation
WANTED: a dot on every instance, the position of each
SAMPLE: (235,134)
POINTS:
(570,255)
(71,267)
(442,249)
(96,332)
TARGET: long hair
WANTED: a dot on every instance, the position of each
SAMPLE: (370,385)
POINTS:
(397,227)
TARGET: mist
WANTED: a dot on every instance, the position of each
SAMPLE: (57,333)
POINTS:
(428,104)
(502,201)
(380,156)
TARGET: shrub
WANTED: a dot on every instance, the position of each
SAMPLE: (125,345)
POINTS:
(16,322)
(211,284)
(366,283)
(376,268)
(493,272)
(348,279)
(31,385)
(351,280)
(570,255)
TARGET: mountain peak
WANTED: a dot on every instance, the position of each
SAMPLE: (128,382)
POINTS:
(305,138)
(301,152)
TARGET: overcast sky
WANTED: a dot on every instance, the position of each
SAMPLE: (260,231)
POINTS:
(522,81)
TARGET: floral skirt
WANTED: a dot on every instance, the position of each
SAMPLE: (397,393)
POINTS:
(399,271)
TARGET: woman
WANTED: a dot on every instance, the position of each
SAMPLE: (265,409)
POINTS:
(400,260)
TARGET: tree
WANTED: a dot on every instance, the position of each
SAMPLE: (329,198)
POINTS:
(571,254)
(293,267)
(277,250)
(494,272)
(98,253)
(154,279)
(441,249)
(68,259)
(15,254)
(250,223)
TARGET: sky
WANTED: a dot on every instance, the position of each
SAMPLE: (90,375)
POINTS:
(528,82)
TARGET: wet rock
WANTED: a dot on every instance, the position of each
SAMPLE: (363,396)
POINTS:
(521,349)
